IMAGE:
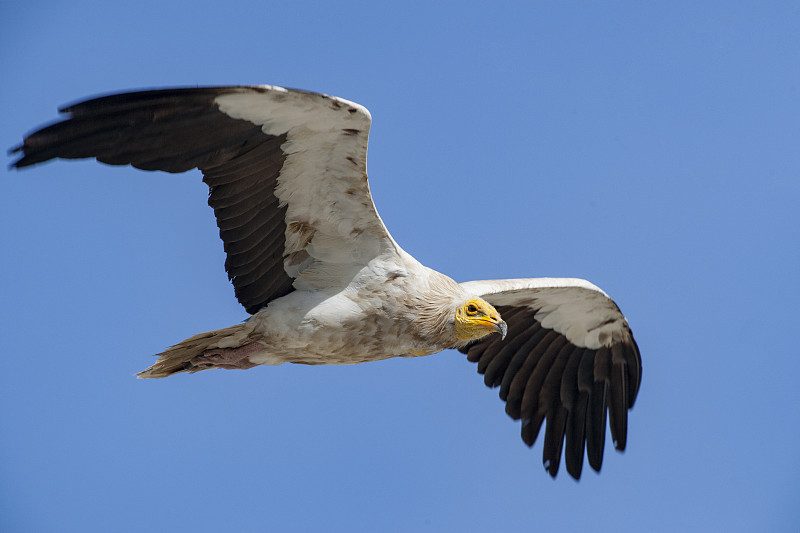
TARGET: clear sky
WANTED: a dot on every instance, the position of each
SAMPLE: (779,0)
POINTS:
(653,150)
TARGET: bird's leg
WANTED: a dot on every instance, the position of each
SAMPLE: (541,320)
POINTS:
(229,358)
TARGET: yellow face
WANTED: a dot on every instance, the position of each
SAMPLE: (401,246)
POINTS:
(477,318)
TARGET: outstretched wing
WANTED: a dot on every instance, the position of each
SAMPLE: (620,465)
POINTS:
(569,358)
(287,172)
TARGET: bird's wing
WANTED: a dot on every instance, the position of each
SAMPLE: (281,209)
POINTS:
(287,172)
(569,357)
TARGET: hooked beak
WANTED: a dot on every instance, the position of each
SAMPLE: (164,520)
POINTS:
(501,328)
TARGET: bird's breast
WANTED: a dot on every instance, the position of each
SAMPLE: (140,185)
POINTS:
(345,327)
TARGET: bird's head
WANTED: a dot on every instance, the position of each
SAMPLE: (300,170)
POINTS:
(476,318)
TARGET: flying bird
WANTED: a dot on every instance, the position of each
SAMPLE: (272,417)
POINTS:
(323,280)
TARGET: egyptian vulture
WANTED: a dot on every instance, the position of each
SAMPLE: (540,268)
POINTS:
(324,282)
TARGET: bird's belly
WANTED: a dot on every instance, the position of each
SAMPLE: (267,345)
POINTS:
(325,347)
(332,330)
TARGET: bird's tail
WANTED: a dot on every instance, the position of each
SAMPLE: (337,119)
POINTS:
(183,356)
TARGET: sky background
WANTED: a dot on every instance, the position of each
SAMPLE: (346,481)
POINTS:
(651,149)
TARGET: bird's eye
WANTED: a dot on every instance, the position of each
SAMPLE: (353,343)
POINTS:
(471,309)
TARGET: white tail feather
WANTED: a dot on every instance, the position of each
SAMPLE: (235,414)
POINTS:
(178,358)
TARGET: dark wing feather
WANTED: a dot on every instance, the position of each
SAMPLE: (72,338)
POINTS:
(175,130)
(548,375)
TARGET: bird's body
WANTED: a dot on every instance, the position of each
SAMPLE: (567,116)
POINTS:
(375,317)
(324,281)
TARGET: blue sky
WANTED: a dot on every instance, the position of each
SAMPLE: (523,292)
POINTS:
(650,149)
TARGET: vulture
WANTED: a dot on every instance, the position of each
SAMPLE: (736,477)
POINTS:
(323,280)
